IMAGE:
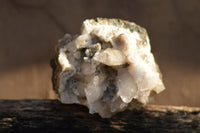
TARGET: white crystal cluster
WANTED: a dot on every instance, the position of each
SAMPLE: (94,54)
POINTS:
(108,67)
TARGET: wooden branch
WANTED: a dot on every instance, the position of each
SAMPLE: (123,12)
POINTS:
(52,116)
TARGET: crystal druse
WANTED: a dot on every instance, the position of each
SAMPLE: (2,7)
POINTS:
(109,67)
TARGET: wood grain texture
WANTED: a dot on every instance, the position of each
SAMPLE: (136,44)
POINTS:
(52,116)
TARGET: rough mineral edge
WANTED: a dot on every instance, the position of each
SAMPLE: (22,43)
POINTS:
(108,67)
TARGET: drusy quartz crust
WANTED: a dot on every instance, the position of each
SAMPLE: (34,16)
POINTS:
(109,67)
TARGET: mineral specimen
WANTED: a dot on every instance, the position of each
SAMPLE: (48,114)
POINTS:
(109,67)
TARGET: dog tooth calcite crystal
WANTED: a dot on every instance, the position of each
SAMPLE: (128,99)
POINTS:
(109,67)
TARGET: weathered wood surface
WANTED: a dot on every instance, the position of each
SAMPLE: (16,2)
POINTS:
(52,116)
